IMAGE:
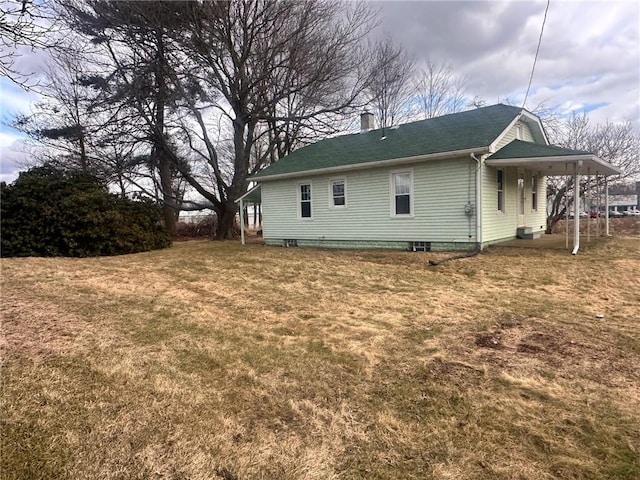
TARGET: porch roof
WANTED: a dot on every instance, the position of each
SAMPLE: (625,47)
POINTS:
(252,196)
(550,160)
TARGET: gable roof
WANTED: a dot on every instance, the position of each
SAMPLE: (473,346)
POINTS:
(522,149)
(471,131)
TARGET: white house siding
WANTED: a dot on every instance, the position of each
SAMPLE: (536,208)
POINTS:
(497,225)
(511,135)
(441,189)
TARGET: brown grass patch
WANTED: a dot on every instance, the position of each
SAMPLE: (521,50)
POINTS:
(210,360)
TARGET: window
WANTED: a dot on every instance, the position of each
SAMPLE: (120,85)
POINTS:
(305,200)
(519,131)
(401,187)
(500,188)
(338,193)
(534,192)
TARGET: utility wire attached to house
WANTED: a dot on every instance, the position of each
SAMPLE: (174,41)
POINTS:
(535,59)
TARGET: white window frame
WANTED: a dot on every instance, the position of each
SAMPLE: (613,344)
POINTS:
(332,204)
(392,196)
(534,192)
(299,197)
(519,131)
(501,193)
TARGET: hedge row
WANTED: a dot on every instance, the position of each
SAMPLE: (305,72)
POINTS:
(49,212)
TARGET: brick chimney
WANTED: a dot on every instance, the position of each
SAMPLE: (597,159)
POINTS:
(366,121)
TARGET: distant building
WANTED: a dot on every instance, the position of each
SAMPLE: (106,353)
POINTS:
(622,203)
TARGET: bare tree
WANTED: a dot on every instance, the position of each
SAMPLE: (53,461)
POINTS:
(61,119)
(617,144)
(25,25)
(390,87)
(266,63)
(440,90)
(230,86)
(134,47)
(74,133)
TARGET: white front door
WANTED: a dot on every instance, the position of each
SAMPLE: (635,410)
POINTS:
(520,199)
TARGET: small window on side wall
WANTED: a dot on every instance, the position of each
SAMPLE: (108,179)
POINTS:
(500,189)
(402,203)
(305,200)
(338,193)
(534,193)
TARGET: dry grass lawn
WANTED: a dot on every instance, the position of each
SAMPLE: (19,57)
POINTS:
(213,361)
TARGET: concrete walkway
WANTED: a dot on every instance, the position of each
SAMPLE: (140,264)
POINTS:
(547,242)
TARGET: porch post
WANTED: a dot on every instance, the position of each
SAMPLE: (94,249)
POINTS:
(566,216)
(598,200)
(588,192)
(606,205)
(576,207)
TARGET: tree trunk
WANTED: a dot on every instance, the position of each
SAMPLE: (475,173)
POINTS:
(163,159)
(225,227)
(168,212)
(552,220)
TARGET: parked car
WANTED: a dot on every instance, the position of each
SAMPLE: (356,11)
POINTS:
(612,214)
(631,213)
(581,214)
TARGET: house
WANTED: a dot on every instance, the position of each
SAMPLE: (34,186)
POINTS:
(624,203)
(621,203)
(457,182)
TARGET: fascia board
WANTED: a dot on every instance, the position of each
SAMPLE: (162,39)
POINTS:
(535,119)
(493,146)
(515,162)
(368,165)
(529,118)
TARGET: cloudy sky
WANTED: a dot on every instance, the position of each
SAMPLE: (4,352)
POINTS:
(589,58)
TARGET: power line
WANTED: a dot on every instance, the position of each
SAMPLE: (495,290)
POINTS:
(535,59)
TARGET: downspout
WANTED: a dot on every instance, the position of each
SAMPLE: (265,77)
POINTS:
(478,201)
(576,206)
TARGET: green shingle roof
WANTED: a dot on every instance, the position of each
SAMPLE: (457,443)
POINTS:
(521,149)
(459,131)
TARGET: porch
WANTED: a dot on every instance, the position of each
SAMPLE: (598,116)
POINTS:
(548,161)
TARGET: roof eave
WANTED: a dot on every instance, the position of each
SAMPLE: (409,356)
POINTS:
(249,193)
(374,164)
(606,168)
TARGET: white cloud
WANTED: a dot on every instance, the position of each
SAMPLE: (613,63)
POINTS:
(15,100)
(590,51)
(7,139)
(13,158)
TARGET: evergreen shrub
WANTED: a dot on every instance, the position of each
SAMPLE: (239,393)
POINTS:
(51,212)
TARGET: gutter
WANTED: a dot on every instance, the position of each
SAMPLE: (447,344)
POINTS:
(378,163)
